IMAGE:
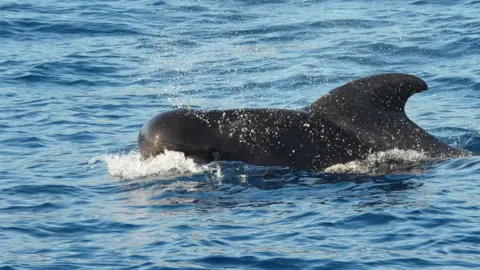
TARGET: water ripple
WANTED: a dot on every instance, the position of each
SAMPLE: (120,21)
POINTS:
(78,79)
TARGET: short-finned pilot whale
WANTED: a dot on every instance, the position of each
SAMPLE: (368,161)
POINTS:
(348,123)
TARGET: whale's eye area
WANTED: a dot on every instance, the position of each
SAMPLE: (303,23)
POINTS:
(147,151)
(201,156)
(213,154)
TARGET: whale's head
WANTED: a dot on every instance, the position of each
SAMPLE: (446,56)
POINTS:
(182,130)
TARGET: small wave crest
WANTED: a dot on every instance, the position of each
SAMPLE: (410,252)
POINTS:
(381,162)
(171,164)
(131,165)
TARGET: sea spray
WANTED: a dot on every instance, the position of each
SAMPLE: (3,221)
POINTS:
(131,165)
(381,162)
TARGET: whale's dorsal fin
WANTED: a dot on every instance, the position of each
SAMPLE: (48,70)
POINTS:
(373,109)
(384,91)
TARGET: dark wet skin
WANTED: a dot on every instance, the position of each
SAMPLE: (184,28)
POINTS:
(348,123)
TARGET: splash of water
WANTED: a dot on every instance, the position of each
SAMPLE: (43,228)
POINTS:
(170,164)
(381,162)
(131,165)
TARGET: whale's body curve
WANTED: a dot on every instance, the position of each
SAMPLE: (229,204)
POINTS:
(348,123)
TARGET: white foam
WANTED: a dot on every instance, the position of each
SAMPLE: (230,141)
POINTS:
(131,165)
(170,164)
(381,162)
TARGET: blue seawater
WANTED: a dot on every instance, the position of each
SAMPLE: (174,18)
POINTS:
(79,78)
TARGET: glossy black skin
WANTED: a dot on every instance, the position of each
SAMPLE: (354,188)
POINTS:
(348,123)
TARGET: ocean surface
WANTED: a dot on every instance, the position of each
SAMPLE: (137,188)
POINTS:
(78,79)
